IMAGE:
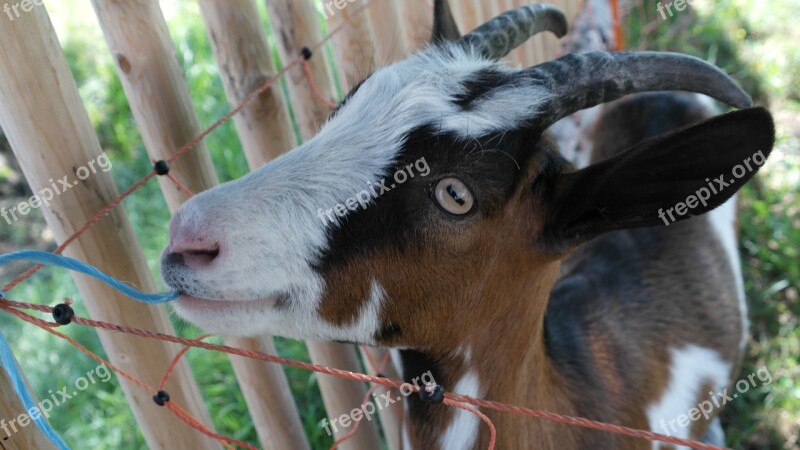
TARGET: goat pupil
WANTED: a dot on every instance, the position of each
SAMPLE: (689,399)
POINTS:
(451,190)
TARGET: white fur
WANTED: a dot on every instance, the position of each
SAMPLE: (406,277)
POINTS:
(268,224)
(691,368)
(462,432)
(723,220)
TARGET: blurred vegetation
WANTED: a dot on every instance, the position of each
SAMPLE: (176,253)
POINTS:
(100,417)
(759,45)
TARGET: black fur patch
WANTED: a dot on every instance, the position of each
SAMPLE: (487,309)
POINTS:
(480,84)
(490,166)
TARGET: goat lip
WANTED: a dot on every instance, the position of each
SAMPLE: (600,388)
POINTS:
(189,302)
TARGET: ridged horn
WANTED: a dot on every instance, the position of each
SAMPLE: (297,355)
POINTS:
(497,37)
(580,81)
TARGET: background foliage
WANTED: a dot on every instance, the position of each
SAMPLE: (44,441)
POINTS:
(759,45)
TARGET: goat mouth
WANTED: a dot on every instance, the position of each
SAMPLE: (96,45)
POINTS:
(189,302)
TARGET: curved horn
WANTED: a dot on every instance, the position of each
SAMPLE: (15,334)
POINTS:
(580,81)
(497,37)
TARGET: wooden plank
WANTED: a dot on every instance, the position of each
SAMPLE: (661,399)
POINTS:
(19,429)
(354,46)
(393,44)
(138,37)
(418,22)
(264,127)
(295,27)
(245,62)
(50,134)
(469,15)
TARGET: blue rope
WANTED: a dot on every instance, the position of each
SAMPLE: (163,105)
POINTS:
(53,259)
(8,363)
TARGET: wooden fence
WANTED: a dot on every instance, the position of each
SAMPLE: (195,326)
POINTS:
(50,134)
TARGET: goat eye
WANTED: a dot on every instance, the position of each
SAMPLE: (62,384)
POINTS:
(453,196)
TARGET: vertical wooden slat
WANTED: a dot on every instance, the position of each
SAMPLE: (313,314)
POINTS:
(265,129)
(469,15)
(295,26)
(50,133)
(13,435)
(350,47)
(393,44)
(391,416)
(354,45)
(138,37)
(245,62)
(418,22)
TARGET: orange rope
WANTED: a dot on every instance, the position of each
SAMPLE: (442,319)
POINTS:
(617,23)
(314,88)
(482,416)
(13,308)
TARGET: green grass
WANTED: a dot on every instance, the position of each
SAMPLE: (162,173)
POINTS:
(759,45)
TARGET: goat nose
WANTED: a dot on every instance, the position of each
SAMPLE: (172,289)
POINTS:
(195,250)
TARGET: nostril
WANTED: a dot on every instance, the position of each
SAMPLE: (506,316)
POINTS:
(193,256)
(211,253)
(199,257)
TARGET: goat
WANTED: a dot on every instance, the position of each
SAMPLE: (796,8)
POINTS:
(505,272)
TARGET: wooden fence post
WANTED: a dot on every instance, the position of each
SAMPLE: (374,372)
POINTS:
(295,26)
(469,15)
(384,17)
(354,45)
(50,133)
(137,35)
(418,18)
(245,62)
(294,23)
(265,129)
(350,47)
(13,435)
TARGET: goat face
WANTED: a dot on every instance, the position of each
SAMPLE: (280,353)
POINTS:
(268,252)
(485,203)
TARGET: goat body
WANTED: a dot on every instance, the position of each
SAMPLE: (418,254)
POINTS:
(503,272)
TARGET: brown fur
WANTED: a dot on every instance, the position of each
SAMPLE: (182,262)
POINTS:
(487,288)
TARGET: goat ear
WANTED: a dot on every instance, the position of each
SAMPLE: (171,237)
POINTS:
(444,24)
(677,175)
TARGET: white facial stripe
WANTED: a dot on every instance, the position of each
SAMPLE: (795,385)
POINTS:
(422,90)
(691,367)
(463,430)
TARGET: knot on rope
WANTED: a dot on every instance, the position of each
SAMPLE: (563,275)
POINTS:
(63,313)
(161,167)
(432,393)
(161,398)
